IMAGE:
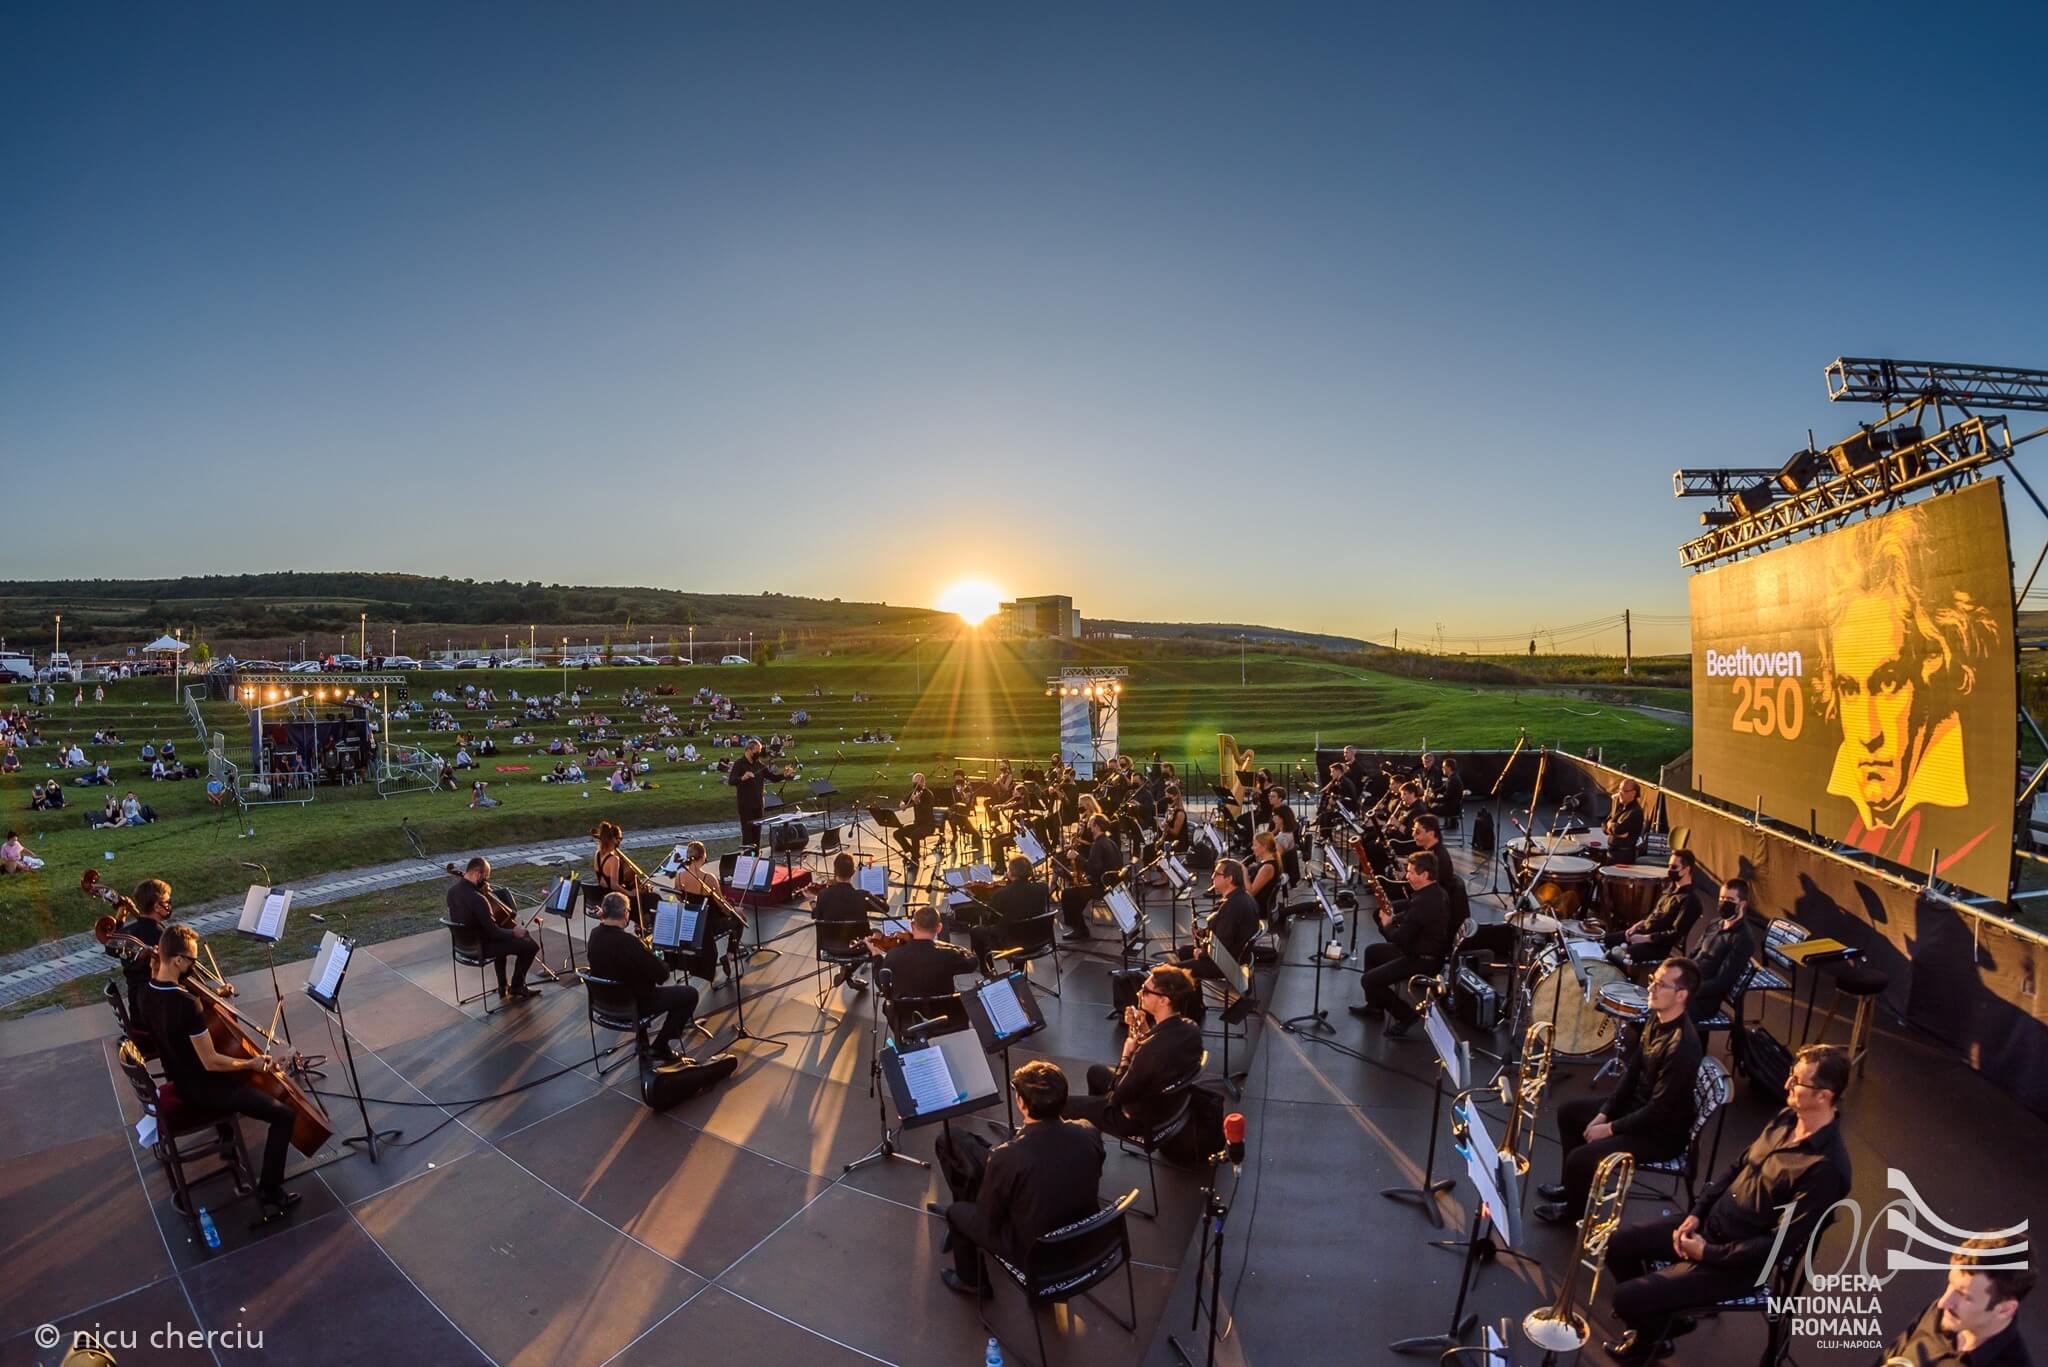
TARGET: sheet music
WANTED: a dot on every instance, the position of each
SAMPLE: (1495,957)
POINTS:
(675,924)
(1028,846)
(929,1081)
(956,878)
(561,898)
(873,879)
(1439,1031)
(1126,911)
(892,926)
(1584,950)
(1177,872)
(1475,1122)
(1005,1012)
(1336,865)
(328,968)
(981,873)
(271,921)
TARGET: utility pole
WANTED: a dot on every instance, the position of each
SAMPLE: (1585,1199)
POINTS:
(1397,640)
(1240,659)
(1628,644)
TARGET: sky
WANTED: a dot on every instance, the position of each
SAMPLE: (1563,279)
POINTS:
(1345,318)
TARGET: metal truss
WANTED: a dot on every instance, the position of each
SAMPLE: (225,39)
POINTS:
(1716,483)
(1889,382)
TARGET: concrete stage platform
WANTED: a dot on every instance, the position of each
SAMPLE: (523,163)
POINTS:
(569,1224)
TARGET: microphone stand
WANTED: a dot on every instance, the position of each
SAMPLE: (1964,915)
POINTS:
(1209,1262)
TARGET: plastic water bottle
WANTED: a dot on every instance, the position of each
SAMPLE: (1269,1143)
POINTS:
(207,1231)
(995,1354)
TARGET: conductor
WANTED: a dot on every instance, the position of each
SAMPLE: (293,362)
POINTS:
(748,774)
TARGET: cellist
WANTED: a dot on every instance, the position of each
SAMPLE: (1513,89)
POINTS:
(205,1078)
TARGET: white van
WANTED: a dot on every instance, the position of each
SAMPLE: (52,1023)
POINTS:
(16,666)
(59,669)
(735,660)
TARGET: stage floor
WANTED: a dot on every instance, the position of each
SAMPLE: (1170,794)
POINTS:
(569,1224)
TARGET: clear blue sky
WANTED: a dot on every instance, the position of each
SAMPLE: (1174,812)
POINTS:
(1426,301)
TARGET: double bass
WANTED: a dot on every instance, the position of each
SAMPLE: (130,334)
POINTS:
(233,1037)
(501,915)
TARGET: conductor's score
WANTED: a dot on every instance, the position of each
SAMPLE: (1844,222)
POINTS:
(1769,707)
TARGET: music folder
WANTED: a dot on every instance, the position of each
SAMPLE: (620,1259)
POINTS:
(681,925)
(330,966)
(1451,1052)
(935,1081)
(1176,872)
(1003,1010)
(874,880)
(564,897)
(1235,975)
(753,874)
(1028,846)
(263,913)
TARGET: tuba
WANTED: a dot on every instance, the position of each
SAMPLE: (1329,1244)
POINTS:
(1557,1327)
(1532,1079)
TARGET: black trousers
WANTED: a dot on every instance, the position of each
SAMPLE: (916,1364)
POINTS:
(1198,963)
(1645,1300)
(750,830)
(1386,970)
(505,945)
(1074,906)
(963,1219)
(1097,1108)
(679,1002)
(1582,1157)
(239,1098)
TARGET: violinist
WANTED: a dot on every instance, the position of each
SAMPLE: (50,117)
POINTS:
(919,801)
(923,965)
(616,872)
(1004,787)
(691,881)
(1094,871)
(841,905)
(470,905)
(1279,816)
(206,1079)
(1173,821)
(1018,899)
(152,912)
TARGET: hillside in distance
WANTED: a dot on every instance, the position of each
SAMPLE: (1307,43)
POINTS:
(1230,631)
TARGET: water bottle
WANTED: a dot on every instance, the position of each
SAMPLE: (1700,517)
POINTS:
(207,1230)
(995,1354)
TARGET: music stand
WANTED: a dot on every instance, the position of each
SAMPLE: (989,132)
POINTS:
(1003,1011)
(822,788)
(1317,1018)
(1237,979)
(264,910)
(934,1081)
(323,985)
(752,873)
(1179,883)
(1493,1197)
(1029,846)
(1453,1064)
(564,899)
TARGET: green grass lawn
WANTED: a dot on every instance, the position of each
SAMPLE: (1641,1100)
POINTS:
(961,698)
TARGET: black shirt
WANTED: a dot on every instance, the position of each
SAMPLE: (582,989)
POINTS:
(1672,917)
(1925,1345)
(616,953)
(1624,828)
(1048,1176)
(1421,927)
(469,908)
(1020,901)
(1653,1101)
(174,1018)
(920,804)
(748,774)
(136,970)
(1723,957)
(1144,810)
(1105,859)
(1167,1054)
(1236,924)
(1739,1210)
(925,968)
(841,902)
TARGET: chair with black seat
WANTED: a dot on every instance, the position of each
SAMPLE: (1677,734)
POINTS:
(1729,1017)
(1072,1261)
(466,950)
(613,1006)
(842,945)
(1176,1111)
(1036,938)
(1865,983)
(1783,972)
(1710,1089)
(1776,1297)
(913,1020)
(118,1000)
(220,1135)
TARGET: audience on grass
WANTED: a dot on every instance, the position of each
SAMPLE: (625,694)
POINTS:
(15,856)
(479,798)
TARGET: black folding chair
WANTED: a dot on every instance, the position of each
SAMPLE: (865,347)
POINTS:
(1175,1111)
(466,950)
(1037,938)
(1072,1261)
(613,1006)
(841,944)
(222,1136)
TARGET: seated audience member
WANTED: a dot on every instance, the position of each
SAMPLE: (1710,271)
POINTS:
(1163,1047)
(1973,1322)
(148,752)
(74,758)
(575,772)
(1720,1248)
(1724,951)
(1419,935)
(133,813)
(156,771)
(480,799)
(620,783)
(10,763)
(53,795)
(110,815)
(615,952)
(1048,1176)
(16,857)
(216,792)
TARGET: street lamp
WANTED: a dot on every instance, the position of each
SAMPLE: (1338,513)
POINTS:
(363,637)
(692,656)
(1240,660)
(917,658)
(58,648)
(565,669)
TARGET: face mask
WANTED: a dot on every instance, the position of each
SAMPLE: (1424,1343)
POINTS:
(1730,909)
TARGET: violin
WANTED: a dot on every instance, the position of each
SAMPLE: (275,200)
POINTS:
(233,1037)
(501,915)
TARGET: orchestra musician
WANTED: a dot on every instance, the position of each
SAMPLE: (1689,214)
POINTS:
(1624,823)
(617,953)
(470,904)
(1973,1322)
(1669,921)
(616,872)
(749,774)
(1049,1175)
(1726,1240)
(922,966)
(839,904)
(1429,839)
(152,912)
(1724,952)
(1263,873)
(960,809)
(1017,899)
(1448,801)
(1234,924)
(1650,1112)
(207,1079)
(1093,873)
(693,882)
(920,802)
(1163,1047)
(1280,818)
(1173,821)
(1418,937)
(1003,787)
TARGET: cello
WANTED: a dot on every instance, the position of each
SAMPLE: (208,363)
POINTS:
(233,1037)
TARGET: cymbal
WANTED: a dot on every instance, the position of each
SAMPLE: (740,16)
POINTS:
(1535,922)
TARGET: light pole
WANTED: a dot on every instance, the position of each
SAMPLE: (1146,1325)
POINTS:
(750,647)
(363,638)
(394,640)
(58,649)
(692,656)
(1240,660)
(917,659)
(565,669)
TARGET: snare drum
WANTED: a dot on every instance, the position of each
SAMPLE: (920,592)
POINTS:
(1564,885)
(1628,891)
(1624,1001)
(1557,995)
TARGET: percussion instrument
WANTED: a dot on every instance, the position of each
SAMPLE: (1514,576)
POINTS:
(1568,995)
(1564,885)
(1628,891)
(1624,1001)
(1534,922)
(1534,847)
(1595,843)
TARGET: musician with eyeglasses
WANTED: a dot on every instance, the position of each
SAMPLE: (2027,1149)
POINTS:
(1721,1247)
(1649,1113)
(1234,924)
(206,1079)
(1162,1046)
(1416,938)
(471,905)
(152,913)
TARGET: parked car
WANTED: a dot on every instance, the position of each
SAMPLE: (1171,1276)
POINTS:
(437,664)
(305,667)
(469,662)
(400,662)
(735,660)
(520,662)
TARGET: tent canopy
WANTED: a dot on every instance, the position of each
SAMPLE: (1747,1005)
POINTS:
(166,643)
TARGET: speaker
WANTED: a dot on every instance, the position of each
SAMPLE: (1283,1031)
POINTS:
(670,1084)
(788,837)
(1123,986)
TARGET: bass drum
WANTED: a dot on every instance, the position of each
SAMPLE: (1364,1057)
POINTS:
(1555,995)
(1564,885)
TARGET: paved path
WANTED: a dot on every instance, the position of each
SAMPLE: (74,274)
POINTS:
(37,969)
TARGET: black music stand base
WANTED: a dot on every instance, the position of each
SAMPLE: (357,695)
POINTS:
(1432,1185)
(1317,1019)
(371,1135)
(1462,1324)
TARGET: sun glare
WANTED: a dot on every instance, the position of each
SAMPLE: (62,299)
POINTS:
(973,601)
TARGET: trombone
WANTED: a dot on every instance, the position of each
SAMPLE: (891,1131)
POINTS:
(1558,1327)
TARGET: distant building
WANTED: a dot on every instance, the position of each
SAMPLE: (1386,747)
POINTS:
(1051,616)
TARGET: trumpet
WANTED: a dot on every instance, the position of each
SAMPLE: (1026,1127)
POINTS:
(1532,1078)
(1557,1327)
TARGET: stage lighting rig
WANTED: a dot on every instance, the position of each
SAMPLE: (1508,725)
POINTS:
(1905,384)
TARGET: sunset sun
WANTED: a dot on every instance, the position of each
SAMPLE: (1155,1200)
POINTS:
(972,600)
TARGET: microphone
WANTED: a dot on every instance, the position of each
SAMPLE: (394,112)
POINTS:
(1233,1140)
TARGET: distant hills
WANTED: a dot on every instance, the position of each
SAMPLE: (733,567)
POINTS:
(1230,631)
